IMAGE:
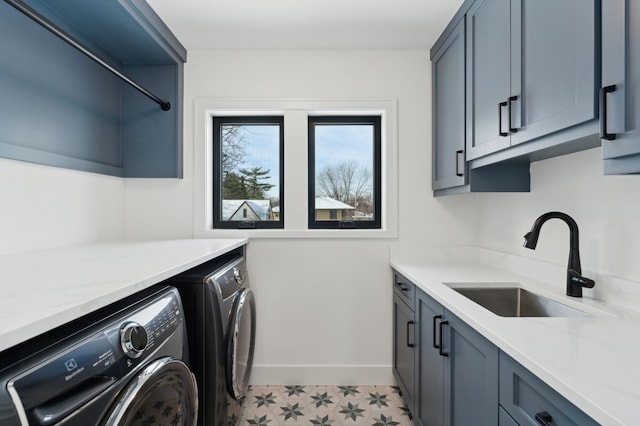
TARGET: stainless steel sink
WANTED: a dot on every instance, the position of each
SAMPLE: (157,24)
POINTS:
(517,302)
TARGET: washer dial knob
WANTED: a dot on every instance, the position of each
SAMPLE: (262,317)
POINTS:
(133,339)
(237,275)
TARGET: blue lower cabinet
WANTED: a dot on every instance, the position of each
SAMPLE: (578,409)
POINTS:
(460,378)
(528,400)
(471,397)
(404,349)
(429,396)
(457,382)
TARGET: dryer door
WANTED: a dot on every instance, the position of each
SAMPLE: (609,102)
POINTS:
(163,393)
(242,336)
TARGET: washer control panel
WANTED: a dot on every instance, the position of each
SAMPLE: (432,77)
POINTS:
(100,357)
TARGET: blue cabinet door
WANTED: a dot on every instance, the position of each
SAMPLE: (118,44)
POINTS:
(554,66)
(448,85)
(488,76)
(404,348)
(471,376)
(430,372)
(532,75)
(457,370)
(620,101)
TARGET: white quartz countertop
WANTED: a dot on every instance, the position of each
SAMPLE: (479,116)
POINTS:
(44,289)
(594,362)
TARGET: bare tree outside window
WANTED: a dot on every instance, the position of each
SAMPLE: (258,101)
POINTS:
(349,183)
(344,164)
(233,146)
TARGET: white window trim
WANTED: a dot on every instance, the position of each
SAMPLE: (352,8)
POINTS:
(295,112)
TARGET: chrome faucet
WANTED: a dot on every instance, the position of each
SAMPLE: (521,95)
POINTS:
(575,280)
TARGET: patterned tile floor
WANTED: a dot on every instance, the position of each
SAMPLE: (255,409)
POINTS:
(324,406)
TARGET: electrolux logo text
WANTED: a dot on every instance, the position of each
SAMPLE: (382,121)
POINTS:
(72,366)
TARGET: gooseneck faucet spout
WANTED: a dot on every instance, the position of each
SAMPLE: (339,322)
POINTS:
(575,280)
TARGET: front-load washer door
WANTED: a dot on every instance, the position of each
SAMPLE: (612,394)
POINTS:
(242,335)
(164,393)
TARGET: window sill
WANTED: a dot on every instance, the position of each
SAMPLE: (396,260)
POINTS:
(307,233)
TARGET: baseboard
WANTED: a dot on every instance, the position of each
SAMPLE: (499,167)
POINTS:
(360,375)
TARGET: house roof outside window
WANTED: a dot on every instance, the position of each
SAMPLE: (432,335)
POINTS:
(328,203)
(256,209)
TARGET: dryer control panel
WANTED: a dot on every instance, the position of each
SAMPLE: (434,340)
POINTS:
(230,278)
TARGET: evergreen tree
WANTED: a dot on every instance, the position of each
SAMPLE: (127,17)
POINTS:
(249,184)
(233,187)
(254,180)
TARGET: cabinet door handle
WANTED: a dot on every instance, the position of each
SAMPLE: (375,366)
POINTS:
(511,99)
(603,113)
(435,319)
(458,152)
(544,418)
(500,105)
(440,351)
(402,287)
(409,344)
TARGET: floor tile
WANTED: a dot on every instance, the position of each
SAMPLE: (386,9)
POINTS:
(324,406)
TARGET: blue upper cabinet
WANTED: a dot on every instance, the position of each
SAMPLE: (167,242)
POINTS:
(619,97)
(450,173)
(532,76)
(448,63)
(488,82)
(60,108)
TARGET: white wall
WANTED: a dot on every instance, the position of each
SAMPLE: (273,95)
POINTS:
(45,207)
(324,306)
(606,208)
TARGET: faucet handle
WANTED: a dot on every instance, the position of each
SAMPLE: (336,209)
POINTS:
(578,279)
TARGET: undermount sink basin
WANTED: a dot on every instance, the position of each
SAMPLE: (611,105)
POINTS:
(517,302)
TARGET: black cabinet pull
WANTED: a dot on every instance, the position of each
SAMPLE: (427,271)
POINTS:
(409,344)
(458,152)
(511,99)
(440,351)
(544,418)
(603,113)
(435,319)
(402,287)
(500,105)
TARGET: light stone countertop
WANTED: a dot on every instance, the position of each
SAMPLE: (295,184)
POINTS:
(44,289)
(594,362)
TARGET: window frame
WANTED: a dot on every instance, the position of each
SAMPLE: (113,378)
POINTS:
(295,112)
(217,122)
(340,119)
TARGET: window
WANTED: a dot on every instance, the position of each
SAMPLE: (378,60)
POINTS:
(291,149)
(247,172)
(344,172)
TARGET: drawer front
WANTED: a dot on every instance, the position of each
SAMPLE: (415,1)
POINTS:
(405,289)
(528,400)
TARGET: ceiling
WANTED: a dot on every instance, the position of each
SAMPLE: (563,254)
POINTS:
(306,24)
